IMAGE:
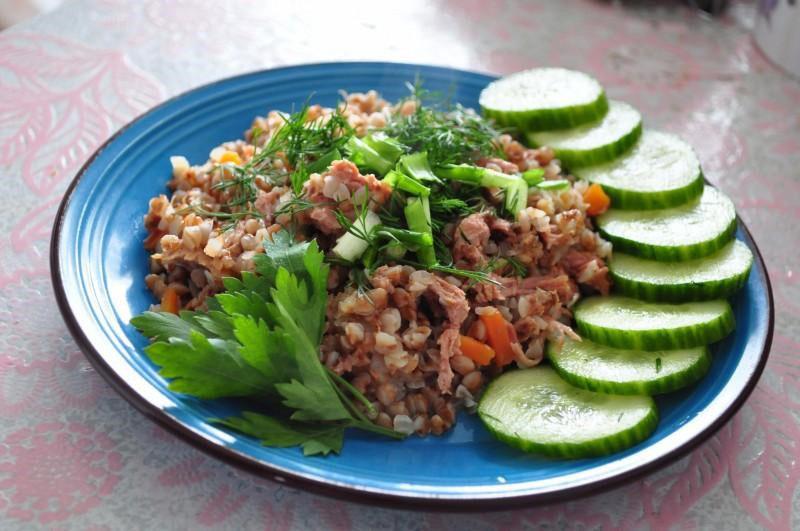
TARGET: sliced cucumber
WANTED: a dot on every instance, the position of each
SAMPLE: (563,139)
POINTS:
(661,171)
(716,276)
(605,369)
(536,411)
(597,142)
(630,323)
(349,246)
(543,99)
(689,231)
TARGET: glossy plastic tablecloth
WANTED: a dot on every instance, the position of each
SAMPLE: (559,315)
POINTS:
(74,455)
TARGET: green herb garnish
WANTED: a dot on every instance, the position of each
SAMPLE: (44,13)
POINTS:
(261,340)
(450,134)
(305,144)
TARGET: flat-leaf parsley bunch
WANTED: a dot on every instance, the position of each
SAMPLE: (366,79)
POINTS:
(260,339)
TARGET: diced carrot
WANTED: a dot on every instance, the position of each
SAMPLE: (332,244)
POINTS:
(170,302)
(597,200)
(230,156)
(499,338)
(480,353)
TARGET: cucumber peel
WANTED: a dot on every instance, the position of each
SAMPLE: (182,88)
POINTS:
(716,276)
(660,171)
(597,142)
(543,99)
(597,367)
(535,410)
(623,322)
(689,231)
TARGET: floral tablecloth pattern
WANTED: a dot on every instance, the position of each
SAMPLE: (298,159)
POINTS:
(74,455)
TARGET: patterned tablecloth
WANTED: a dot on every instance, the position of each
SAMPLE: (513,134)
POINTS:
(73,454)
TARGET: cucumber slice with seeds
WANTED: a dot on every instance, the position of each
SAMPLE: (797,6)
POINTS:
(537,411)
(622,322)
(689,231)
(716,276)
(661,171)
(597,142)
(596,367)
(542,99)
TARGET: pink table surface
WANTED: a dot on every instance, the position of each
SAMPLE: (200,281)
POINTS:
(74,455)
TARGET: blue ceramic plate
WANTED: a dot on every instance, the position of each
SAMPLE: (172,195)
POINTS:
(98,267)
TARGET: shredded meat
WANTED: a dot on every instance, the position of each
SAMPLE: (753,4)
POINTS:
(471,236)
(525,158)
(556,282)
(345,172)
(341,187)
(448,347)
(267,202)
(325,220)
(500,225)
(588,269)
(452,299)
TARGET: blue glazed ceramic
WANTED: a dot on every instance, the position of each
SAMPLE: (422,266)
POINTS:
(98,267)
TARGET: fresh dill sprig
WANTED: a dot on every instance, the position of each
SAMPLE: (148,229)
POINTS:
(450,134)
(391,212)
(357,227)
(518,269)
(298,204)
(442,249)
(299,141)
(306,140)
(444,209)
(298,178)
(228,219)
(360,279)
(478,277)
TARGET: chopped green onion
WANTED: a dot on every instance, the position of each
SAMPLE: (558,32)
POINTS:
(395,250)
(533,176)
(324,162)
(477,175)
(516,197)
(416,165)
(418,218)
(363,156)
(412,239)
(496,179)
(401,181)
(369,257)
(560,184)
(353,243)
(461,172)
(385,146)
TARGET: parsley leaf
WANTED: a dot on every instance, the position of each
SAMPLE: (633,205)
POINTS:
(215,323)
(161,326)
(260,339)
(206,368)
(282,251)
(268,351)
(314,439)
(314,399)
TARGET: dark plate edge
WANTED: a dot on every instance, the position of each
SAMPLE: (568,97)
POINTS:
(344,492)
